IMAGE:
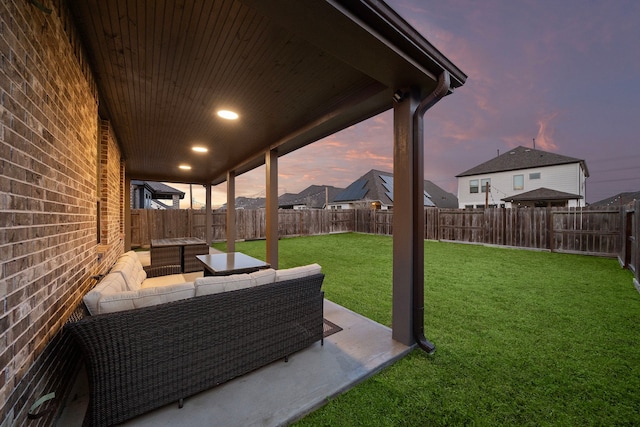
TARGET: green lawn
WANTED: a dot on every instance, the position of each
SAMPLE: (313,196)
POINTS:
(522,337)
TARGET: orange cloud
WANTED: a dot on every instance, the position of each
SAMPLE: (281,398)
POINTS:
(544,138)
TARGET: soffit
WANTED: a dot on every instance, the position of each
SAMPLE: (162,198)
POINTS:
(294,71)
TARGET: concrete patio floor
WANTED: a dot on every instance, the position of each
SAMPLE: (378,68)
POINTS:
(280,393)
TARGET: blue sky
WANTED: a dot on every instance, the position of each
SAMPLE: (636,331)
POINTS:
(564,72)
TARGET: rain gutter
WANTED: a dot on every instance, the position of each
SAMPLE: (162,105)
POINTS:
(442,89)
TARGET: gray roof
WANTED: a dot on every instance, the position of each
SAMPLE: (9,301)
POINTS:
(440,197)
(619,199)
(158,189)
(541,194)
(313,196)
(523,158)
(377,185)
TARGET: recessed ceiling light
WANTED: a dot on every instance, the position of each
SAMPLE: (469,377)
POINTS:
(185,167)
(200,149)
(227,114)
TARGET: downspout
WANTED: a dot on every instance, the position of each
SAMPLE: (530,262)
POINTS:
(443,88)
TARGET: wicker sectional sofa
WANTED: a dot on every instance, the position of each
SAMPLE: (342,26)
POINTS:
(148,347)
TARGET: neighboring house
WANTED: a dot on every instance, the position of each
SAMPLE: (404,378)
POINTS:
(150,195)
(313,197)
(620,199)
(524,177)
(248,203)
(374,190)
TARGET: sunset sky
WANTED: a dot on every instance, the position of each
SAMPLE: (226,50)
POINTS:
(565,72)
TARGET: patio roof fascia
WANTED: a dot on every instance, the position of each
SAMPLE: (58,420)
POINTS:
(406,41)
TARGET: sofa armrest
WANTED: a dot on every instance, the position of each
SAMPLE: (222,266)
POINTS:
(162,270)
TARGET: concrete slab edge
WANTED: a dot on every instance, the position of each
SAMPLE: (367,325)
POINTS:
(320,403)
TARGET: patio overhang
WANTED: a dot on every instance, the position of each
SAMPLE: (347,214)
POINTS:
(542,194)
(295,72)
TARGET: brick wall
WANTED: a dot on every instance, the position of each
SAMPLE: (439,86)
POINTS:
(57,161)
(111,173)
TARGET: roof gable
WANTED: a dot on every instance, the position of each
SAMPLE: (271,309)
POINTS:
(542,194)
(377,185)
(159,190)
(619,199)
(313,196)
(522,158)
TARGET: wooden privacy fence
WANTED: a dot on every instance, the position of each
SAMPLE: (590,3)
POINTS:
(581,230)
(148,224)
(611,232)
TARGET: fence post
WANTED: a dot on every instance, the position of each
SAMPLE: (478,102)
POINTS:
(625,236)
(636,244)
(550,235)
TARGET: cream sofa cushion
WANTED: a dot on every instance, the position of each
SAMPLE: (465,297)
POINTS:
(145,297)
(217,284)
(131,269)
(112,283)
(170,279)
(298,272)
(262,277)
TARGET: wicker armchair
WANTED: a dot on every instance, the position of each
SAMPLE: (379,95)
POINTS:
(162,270)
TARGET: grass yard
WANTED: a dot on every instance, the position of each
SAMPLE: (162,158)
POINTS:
(522,337)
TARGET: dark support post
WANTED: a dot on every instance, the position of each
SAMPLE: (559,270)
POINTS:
(231,211)
(208,220)
(127,213)
(407,264)
(271,162)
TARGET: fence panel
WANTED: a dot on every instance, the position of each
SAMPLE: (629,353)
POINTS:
(342,220)
(462,225)
(431,223)
(634,243)
(383,222)
(149,224)
(587,231)
(364,221)
(198,224)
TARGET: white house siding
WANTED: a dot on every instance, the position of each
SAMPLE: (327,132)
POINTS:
(359,205)
(340,206)
(568,178)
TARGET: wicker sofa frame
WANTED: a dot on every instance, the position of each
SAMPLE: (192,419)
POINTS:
(139,360)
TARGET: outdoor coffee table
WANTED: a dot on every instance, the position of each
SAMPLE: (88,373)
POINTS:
(230,263)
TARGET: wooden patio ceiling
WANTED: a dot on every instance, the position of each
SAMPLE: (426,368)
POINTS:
(295,71)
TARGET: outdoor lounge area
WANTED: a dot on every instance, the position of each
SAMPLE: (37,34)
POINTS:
(281,392)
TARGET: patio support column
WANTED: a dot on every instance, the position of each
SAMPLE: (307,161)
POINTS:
(231,211)
(208,219)
(408,207)
(407,262)
(271,162)
(127,213)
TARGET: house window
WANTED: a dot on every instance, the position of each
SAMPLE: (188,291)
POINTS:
(518,182)
(484,184)
(535,175)
(473,186)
